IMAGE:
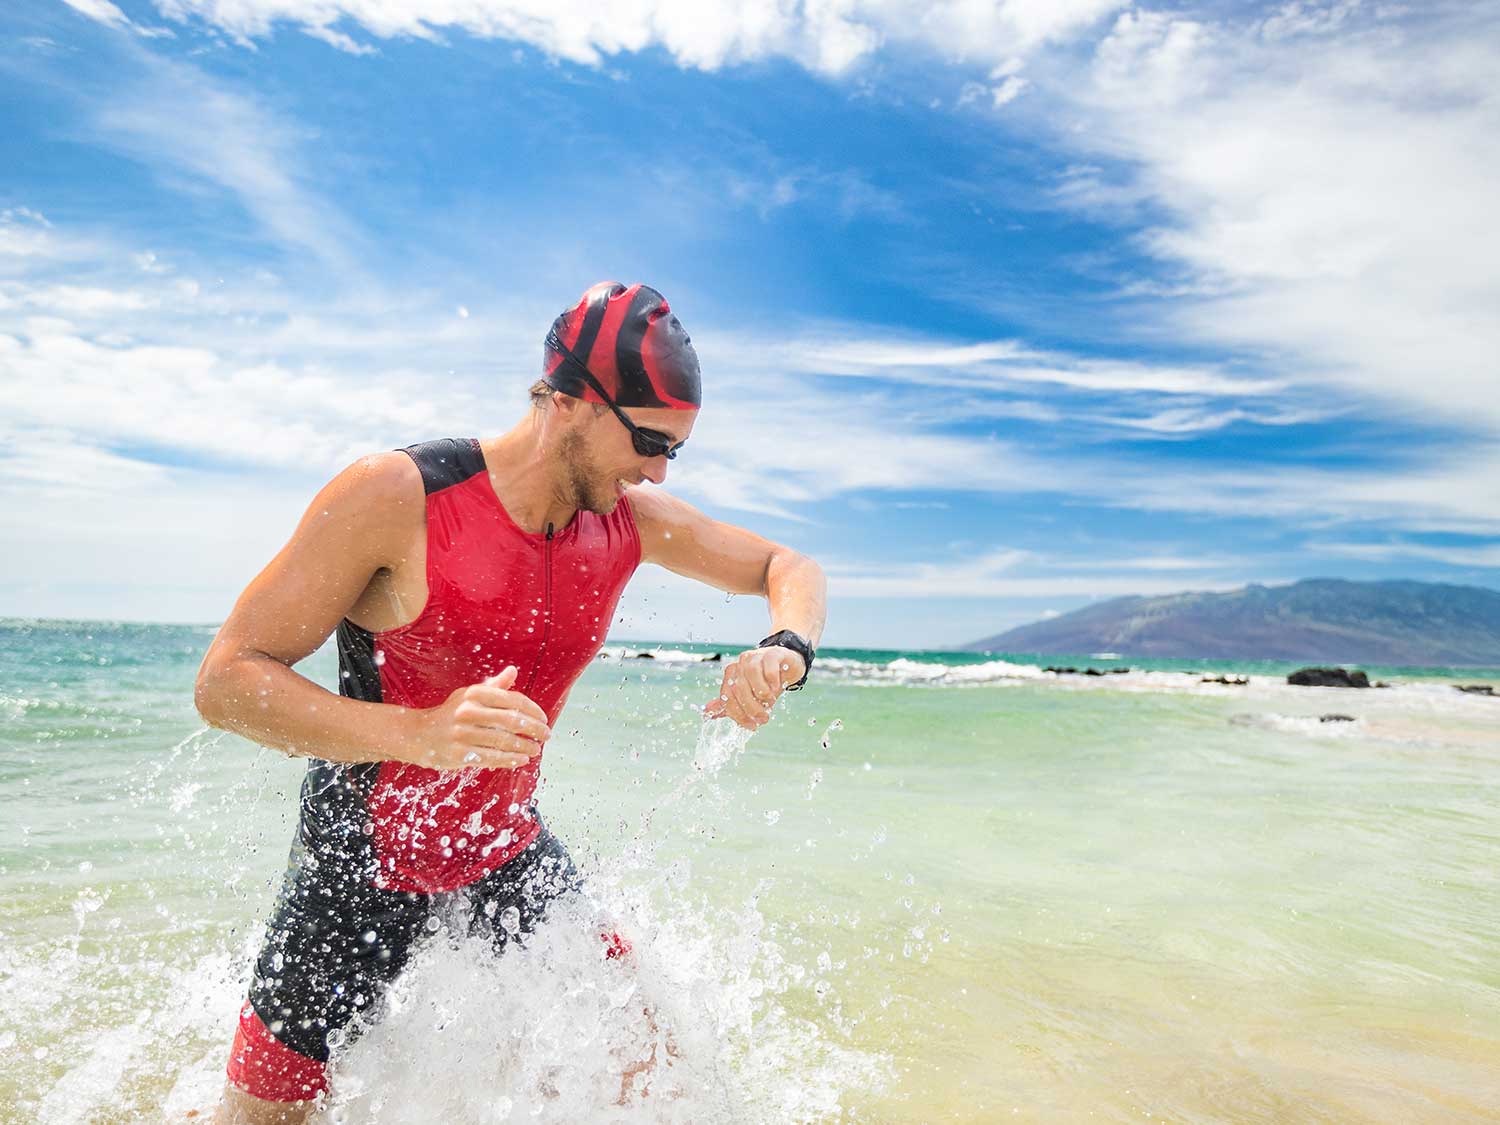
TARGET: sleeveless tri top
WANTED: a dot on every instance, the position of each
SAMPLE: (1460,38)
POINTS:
(496,595)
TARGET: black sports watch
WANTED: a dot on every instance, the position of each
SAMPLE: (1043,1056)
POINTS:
(798,644)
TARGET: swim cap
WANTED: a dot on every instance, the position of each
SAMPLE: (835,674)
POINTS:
(631,343)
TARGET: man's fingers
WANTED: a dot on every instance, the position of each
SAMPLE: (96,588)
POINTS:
(736,709)
(742,694)
(495,739)
(760,687)
(472,713)
(505,677)
(724,707)
(479,758)
(492,702)
(489,694)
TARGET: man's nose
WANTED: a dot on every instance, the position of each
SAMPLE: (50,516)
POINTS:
(655,470)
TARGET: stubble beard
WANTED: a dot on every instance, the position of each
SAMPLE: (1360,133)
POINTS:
(583,478)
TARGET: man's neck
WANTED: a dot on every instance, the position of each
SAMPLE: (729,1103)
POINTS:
(526,481)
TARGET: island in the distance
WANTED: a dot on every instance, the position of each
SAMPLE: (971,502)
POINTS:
(1319,619)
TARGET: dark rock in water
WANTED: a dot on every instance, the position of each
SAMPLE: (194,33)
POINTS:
(1335,718)
(1231,681)
(1476,689)
(1328,677)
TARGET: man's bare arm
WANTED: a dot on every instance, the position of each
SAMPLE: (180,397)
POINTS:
(358,525)
(677,536)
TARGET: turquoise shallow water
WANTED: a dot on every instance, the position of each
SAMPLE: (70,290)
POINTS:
(937,887)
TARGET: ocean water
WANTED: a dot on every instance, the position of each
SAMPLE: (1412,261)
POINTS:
(938,887)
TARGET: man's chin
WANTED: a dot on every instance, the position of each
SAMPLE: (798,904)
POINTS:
(603,505)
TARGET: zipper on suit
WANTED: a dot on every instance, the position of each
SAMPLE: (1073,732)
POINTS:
(541,648)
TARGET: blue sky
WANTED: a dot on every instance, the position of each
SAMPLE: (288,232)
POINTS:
(1003,308)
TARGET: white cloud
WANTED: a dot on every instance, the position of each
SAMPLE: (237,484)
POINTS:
(1009,90)
(101,10)
(827,36)
(340,41)
(1185,421)
(192,130)
(998,364)
(1327,179)
(1456,489)
(1482,555)
(994,574)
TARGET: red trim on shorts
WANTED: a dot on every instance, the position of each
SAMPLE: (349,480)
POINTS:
(265,1068)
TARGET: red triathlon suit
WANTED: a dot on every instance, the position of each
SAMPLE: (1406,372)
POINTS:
(379,844)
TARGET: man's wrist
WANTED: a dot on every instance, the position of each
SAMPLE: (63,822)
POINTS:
(405,735)
(792,642)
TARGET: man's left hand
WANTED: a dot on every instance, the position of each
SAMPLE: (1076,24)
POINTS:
(753,681)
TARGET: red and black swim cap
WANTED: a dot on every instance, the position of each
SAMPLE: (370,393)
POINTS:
(632,344)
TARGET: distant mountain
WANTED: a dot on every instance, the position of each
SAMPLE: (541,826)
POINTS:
(1326,620)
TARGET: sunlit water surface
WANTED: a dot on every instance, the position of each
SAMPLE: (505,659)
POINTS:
(934,889)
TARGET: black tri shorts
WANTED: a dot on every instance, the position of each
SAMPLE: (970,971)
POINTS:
(335,941)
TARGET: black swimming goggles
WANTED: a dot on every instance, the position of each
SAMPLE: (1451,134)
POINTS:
(648,443)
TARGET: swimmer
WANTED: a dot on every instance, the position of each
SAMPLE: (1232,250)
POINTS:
(469,583)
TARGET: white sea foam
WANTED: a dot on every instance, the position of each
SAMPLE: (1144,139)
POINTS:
(689,1027)
(1314,726)
(660,655)
(906,671)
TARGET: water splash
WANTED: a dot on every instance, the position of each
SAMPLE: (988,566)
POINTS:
(692,1026)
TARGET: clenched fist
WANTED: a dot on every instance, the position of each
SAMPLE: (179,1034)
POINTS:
(484,726)
(753,681)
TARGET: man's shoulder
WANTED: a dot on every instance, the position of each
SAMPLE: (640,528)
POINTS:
(388,474)
(379,490)
(444,462)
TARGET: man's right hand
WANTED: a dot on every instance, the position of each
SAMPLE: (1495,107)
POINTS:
(482,726)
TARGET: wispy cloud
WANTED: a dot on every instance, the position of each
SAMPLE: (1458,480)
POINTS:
(1012,573)
(1000,364)
(1485,555)
(132,353)
(100,10)
(1324,177)
(826,38)
(103,11)
(206,135)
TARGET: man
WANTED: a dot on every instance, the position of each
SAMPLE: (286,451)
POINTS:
(470,584)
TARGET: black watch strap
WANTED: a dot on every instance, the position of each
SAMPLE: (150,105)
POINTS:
(798,644)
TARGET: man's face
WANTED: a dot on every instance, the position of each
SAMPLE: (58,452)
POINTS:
(600,457)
